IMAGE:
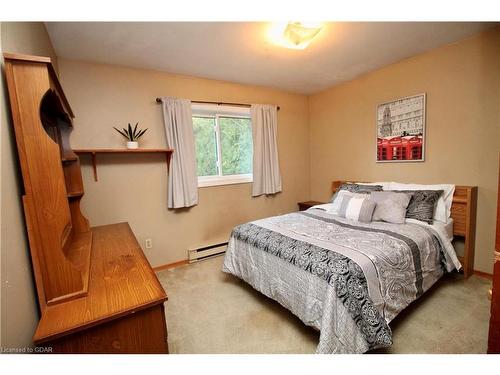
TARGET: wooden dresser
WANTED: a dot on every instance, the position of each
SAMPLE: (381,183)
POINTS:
(96,290)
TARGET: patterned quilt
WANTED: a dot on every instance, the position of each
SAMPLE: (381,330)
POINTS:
(346,279)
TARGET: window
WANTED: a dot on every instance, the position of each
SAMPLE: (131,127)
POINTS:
(223,141)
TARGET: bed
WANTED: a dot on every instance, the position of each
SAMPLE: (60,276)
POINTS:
(349,279)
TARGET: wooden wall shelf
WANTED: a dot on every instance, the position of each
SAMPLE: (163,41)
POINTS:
(93,152)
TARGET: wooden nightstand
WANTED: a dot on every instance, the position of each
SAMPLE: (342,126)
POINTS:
(308,204)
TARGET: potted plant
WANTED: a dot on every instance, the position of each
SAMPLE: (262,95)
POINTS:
(132,135)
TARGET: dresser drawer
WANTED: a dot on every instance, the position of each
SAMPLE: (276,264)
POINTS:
(143,332)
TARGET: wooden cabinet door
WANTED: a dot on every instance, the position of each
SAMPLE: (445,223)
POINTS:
(494,335)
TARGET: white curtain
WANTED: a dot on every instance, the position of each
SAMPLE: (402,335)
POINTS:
(182,177)
(266,170)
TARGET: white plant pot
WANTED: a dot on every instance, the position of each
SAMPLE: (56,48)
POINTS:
(132,145)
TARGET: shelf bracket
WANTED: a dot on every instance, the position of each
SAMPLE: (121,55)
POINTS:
(94,165)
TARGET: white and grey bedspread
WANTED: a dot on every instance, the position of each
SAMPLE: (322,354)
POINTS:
(346,279)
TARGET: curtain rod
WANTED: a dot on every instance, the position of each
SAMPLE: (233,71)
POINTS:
(158,100)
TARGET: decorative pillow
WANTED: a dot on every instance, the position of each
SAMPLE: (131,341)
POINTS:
(360,188)
(422,204)
(443,206)
(391,207)
(339,196)
(386,185)
(358,209)
(357,188)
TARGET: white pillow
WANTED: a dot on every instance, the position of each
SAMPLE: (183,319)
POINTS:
(443,206)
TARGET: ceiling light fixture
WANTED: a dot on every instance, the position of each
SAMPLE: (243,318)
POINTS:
(295,35)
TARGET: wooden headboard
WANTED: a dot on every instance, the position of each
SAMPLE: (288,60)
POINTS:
(463,213)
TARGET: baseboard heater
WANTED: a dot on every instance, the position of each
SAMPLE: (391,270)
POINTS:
(195,255)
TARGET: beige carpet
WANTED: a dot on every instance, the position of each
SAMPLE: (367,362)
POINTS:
(209,311)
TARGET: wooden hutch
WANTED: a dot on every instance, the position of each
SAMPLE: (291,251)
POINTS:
(96,290)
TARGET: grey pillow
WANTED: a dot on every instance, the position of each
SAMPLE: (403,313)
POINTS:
(422,204)
(357,188)
(391,206)
(362,213)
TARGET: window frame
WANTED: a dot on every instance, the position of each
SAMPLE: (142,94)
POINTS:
(214,111)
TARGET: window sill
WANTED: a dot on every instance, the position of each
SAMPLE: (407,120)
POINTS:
(207,181)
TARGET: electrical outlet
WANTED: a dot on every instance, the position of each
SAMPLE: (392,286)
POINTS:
(149,243)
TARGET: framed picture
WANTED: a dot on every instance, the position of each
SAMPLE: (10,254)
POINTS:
(401,130)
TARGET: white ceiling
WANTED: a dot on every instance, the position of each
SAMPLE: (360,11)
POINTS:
(241,52)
